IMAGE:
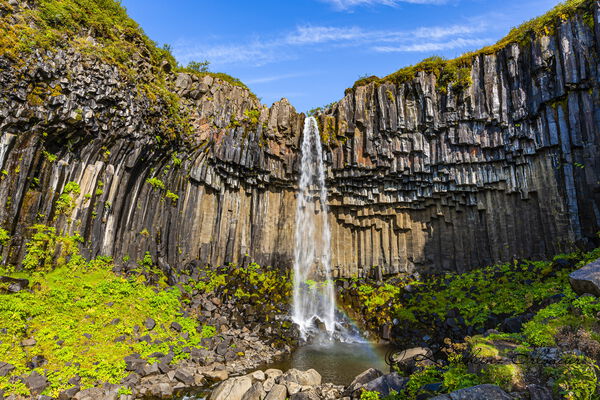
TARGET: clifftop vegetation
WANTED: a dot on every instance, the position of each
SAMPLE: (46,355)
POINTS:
(455,73)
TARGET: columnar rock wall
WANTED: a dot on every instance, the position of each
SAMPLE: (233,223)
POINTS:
(508,168)
(419,180)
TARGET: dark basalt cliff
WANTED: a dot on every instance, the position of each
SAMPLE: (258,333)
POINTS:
(419,180)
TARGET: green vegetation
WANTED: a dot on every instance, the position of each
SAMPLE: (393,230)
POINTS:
(455,74)
(66,201)
(156,183)
(101,29)
(77,309)
(4,237)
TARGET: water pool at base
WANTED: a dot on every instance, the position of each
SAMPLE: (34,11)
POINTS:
(337,362)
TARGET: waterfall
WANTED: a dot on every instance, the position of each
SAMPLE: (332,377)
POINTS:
(314,299)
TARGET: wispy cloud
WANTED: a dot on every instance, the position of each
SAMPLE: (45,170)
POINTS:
(349,4)
(274,78)
(432,46)
(262,51)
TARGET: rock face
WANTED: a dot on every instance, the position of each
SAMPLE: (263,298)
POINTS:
(419,180)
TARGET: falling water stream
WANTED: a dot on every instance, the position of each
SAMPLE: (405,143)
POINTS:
(314,299)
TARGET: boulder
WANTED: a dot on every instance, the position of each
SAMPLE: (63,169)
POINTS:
(277,392)
(479,392)
(6,368)
(232,389)
(36,383)
(361,379)
(538,392)
(302,378)
(586,279)
(386,383)
(12,285)
(307,395)
(407,359)
(256,392)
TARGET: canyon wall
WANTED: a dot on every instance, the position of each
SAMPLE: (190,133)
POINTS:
(419,180)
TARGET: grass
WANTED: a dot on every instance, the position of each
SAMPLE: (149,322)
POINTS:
(455,74)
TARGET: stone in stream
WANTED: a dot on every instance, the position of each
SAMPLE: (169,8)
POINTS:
(232,389)
(586,279)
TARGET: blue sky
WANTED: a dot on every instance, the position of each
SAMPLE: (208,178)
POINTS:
(311,50)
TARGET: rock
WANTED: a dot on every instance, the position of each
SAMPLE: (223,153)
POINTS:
(307,395)
(28,342)
(361,379)
(292,387)
(537,392)
(176,326)
(12,285)
(515,324)
(150,369)
(479,392)
(303,378)
(277,392)
(257,376)
(69,393)
(185,376)
(273,373)
(232,389)
(386,383)
(256,392)
(407,359)
(586,279)
(268,384)
(6,368)
(36,383)
(217,375)
(149,323)
(37,362)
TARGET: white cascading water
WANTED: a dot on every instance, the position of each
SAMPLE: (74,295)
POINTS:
(314,299)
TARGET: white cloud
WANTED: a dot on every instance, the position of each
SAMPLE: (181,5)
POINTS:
(432,46)
(268,79)
(348,4)
(319,34)
(262,51)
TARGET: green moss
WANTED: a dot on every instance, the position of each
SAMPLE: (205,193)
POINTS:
(156,183)
(455,73)
(4,237)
